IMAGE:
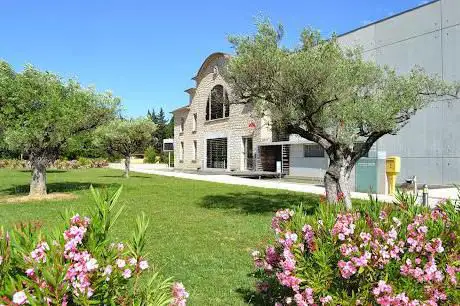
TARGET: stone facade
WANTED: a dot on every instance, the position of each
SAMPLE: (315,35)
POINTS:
(241,122)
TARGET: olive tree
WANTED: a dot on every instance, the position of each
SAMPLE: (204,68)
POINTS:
(125,137)
(327,94)
(41,112)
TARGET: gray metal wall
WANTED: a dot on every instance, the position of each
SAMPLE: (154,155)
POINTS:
(429,36)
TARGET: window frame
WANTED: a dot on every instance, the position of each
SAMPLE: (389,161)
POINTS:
(195,150)
(225,105)
(313,154)
(182,125)
(181,152)
(195,122)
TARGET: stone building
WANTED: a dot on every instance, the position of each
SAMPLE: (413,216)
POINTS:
(211,134)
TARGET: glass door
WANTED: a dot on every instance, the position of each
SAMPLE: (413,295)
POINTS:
(248,153)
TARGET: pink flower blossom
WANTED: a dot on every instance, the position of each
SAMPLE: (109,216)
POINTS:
(325,300)
(120,263)
(347,268)
(126,273)
(143,265)
(180,296)
(19,298)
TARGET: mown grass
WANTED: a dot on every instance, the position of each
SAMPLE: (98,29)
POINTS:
(200,233)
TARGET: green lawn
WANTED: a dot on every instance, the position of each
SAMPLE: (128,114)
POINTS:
(200,233)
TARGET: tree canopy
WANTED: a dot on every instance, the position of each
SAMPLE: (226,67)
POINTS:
(327,94)
(40,112)
(125,137)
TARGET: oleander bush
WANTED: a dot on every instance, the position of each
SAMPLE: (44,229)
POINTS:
(375,254)
(60,164)
(78,263)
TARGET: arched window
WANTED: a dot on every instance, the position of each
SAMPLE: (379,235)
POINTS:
(218,105)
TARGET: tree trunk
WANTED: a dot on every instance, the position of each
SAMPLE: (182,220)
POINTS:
(337,181)
(127,163)
(38,182)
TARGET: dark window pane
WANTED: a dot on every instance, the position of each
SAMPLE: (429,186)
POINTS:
(313,150)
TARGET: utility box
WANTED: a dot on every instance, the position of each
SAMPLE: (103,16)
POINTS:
(370,173)
(393,164)
(393,168)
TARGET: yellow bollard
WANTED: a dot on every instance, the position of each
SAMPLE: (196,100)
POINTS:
(393,168)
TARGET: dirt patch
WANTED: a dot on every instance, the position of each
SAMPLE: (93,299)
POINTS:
(49,197)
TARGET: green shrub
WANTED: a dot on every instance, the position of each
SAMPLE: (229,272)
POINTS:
(376,254)
(13,164)
(60,164)
(78,263)
(84,162)
(150,155)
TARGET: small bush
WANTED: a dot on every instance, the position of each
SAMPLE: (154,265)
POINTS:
(79,264)
(150,155)
(13,164)
(377,254)
(60,164)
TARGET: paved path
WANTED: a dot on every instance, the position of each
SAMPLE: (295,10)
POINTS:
(435,194)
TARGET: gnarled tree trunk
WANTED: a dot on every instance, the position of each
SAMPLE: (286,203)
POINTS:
(337,180)
(38,182)
(127,164)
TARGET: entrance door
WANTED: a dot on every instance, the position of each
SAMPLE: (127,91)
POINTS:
(248,153)
(216,153)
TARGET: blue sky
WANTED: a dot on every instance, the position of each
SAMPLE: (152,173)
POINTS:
(147,51)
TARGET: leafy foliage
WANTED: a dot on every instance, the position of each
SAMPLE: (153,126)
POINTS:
(381,254)
(42,112)
(78,264)
(125,136)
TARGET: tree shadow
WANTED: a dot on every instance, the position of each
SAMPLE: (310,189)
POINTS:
(47,171)
(257,202)
(251,297)
(130,176)
(56,187)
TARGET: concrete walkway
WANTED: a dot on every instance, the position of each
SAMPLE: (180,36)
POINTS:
(435,195)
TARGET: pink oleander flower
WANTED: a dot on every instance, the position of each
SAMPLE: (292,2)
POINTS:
(365,237)
(325,300)
(91,264)
(143,265)
(289,281)
(39,254)
(347,269)
(126,273)
(132,261)
(180,296)
(382,288)
(121,263)
(107,270)
(30,272)
(20,298)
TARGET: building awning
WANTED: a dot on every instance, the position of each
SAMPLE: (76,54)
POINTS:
(289,142)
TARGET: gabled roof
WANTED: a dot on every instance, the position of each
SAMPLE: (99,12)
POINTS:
(209,59)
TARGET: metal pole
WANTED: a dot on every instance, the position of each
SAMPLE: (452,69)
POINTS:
(169,159)
(425,195)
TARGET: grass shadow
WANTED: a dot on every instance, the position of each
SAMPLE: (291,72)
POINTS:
(130,176)
(55,187)
(257,202)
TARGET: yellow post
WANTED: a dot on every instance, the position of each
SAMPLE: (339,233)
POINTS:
(393,168)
